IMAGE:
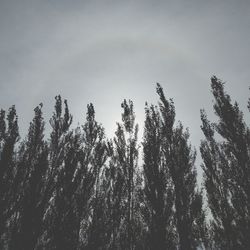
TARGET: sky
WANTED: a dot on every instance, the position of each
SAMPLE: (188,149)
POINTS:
(107,51)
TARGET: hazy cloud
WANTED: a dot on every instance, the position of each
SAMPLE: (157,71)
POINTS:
(105,51)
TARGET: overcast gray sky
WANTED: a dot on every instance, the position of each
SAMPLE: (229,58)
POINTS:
(105,51)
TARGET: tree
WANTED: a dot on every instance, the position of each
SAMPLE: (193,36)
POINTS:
(180,160)
(170,180)
(190,217)
(225,153)
(123,151)
(32,166)
(158,189)
(9,135)
(79,190)
(57,228)
(90,195)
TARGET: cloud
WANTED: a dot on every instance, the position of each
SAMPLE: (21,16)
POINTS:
(105,51)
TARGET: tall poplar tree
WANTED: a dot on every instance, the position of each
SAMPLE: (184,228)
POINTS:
(9,135)
(158,188)
(30,178)
(170,180)
(180,160)
(225,152)
(90,193)
(122,168)
(55,233)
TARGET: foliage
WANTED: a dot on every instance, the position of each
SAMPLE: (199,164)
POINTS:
(76,189)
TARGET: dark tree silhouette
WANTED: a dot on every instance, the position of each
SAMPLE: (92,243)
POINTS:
(170,178)
(158,188)
(190,217)
(180,159)
(9,135)
(226,171)
(123,152)
(94,156)
(30,178)
(57,187)
(75,189)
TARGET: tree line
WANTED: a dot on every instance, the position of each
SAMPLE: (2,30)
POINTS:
(78,189)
